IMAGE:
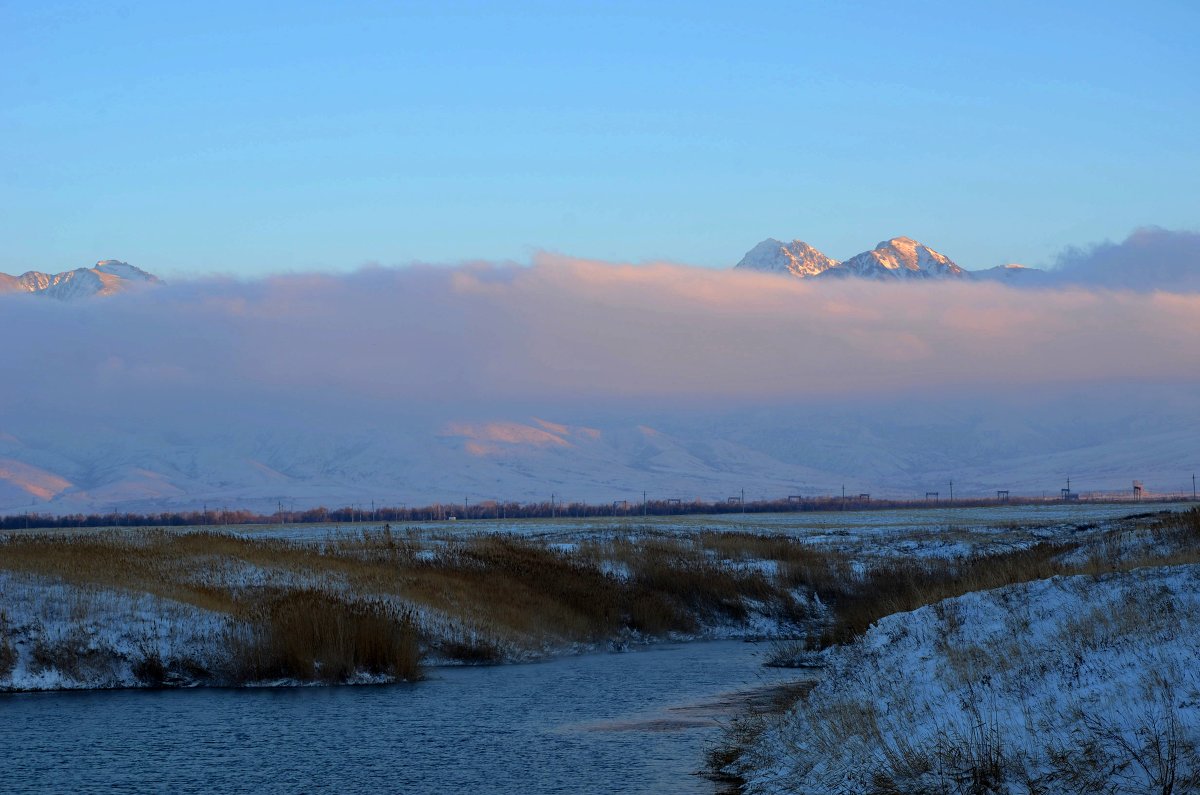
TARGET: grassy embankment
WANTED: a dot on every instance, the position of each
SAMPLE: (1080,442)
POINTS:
(207,607)
(210,607)
(984,758)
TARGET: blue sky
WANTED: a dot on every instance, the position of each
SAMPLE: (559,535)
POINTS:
(253,138)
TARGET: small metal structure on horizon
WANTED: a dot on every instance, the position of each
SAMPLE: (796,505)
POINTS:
(933,494)
(1002,495)
(1137,489)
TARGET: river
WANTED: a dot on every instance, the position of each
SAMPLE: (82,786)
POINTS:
(634,722)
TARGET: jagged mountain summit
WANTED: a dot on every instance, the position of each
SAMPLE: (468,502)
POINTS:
(797,258)
(107,277)
(900,258)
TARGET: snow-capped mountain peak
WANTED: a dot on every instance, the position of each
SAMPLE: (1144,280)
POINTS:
(109,276)
(797,258)
(901,258)
(124,270)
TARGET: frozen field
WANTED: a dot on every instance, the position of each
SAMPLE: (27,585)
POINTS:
(943,532)
(804,524)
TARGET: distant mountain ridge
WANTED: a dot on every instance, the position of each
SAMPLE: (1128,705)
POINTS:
(900,258)
(107,277)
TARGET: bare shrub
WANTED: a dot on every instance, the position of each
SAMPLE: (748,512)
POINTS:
(1152,753)
(973,762)
(471,648)
(148,668)
(8,650)
(74,656)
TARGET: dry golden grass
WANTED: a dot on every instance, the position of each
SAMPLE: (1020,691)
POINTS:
(331,609)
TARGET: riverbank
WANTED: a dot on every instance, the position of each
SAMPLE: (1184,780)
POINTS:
(1077,678)
(138,608)
(192,607)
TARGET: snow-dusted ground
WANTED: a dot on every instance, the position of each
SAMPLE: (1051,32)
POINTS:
(108,633)
(1076,684)
(58,635)
(66,637)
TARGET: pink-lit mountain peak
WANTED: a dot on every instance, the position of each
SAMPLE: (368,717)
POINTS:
(796,258)
(107,277)
(899,258)
(902,257)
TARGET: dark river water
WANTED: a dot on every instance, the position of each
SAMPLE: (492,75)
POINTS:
(636,722)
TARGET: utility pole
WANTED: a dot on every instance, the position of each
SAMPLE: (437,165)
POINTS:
(1193,487)
(743,502)
(464,507)
(643,504)
(552,505)
(952,492)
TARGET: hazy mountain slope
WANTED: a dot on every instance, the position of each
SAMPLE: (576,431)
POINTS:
(769,452)
(1013,274)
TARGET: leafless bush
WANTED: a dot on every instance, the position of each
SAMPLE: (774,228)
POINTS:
(8,650)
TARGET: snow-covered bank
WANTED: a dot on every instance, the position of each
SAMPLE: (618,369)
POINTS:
(1073,684)
(57,636)
(132,608)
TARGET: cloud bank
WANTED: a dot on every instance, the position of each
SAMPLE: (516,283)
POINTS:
(567,329)
(1151,258)
(591,379)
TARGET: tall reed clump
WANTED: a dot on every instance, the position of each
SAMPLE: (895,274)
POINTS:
(312,635)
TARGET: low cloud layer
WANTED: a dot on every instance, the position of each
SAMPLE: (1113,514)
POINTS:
(1149,259)
(573,329)
(591,379)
